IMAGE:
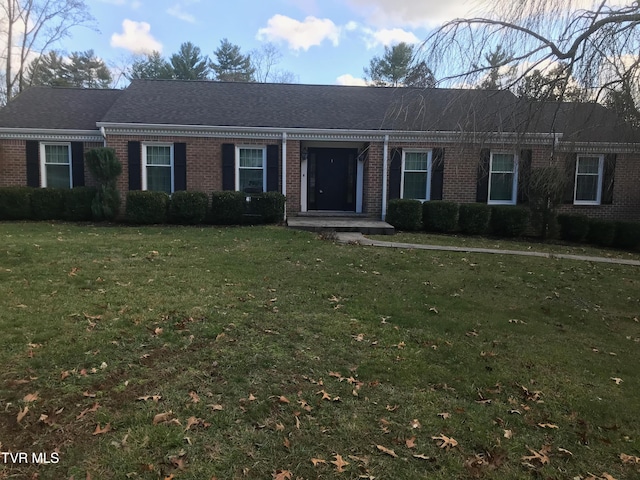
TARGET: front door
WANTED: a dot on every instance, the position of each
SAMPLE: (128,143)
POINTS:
(332,179)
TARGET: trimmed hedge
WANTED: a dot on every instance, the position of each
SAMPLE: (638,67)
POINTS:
(573,228)
(268,207)
(440,216)
(473,218)
(601,232)
(227,208)
(15,203)
(508,221)
(627,235)
(48,203)
(404,214)
(147,207)
(188,208)
(77,204)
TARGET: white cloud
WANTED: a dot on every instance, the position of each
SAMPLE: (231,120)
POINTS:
(136,38)
(300,35)
(429,13)
(348,79)
(177,11)
(388,37)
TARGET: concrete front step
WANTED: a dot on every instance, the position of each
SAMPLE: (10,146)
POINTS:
(360,224)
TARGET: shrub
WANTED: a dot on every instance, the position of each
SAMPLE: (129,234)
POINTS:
(508,221)
(439,216)
(15,203)
(267,206)
(627,235)
(404,214)
(188,208)
(601,232)
(573,228)
(473,218)
(77,204)
(227,208)
(105,168)
(147,207)
(48,203)
(545,190)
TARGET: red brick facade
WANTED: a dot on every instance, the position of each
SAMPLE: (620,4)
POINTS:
(204,170)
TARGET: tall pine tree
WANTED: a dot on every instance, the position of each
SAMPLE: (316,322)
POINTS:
(189,64)
(232,65)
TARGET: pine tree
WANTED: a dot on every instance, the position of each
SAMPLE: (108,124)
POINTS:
(232,66)
(189,64)
(153,66)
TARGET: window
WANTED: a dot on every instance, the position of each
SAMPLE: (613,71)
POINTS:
(55,165)
(157,168)
(503,178)
(251,172)
(588,187)
(416,174)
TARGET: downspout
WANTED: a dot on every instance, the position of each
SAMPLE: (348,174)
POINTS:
(284,171)
(104,135)
(385,161)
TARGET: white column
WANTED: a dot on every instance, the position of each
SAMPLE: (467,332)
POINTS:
(284,170)
(385,161)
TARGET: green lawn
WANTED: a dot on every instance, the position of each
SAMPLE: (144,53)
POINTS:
(244,353)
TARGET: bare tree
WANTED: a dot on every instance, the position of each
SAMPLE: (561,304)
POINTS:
(33,27)
(597,45)
(264,61)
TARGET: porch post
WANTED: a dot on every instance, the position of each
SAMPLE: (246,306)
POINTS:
(385,161)
(284,170)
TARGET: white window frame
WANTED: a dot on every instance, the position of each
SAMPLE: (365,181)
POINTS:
(600,174)
(264,164)
(429,153)
(144,163)
(514,187)
(43,162)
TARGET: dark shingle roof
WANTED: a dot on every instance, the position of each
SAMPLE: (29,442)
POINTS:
(58,108)
(307,106)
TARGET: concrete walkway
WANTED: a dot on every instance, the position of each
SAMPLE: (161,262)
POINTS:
(358,238)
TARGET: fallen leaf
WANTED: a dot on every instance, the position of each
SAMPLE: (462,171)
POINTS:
(422,457)
(216,407)
(617,380)
(22,413)
(325,395)
(32,397)
(162,417)
(282,475)
(286,442)
(146,398)
(415,423)
(195,398)
(565,451)
(339,463)
(387,451)
(191,421)
(392,408)
(100,431)
(252,398)
(547,425)
(94,408)
(508,434)
(283,399)
(606,476)
(88,395)
(318,461)
(444,415)
(64,374)
(629,459)
(445,442)
(410,442)
(540,457)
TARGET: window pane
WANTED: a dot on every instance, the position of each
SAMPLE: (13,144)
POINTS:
(251,157)
(158,155)
(415,185)
(502,162)
(588,165)
(56,154)
(159,179)
(415,161)
(251,181)
(587,188)
(501,187)
(58,176)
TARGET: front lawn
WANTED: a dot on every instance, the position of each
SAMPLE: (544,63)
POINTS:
(259,353)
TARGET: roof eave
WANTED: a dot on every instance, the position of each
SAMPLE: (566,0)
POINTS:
(52,134)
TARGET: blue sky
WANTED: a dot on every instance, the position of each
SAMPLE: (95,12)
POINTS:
(321,41)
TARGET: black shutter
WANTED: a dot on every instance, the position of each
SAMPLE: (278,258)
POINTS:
(395,173)
(524,175)
(482,188)
(134,156)
(608,178)
(179,166)
(570,170)
(33,163)
(273,167)
(77,163)
(437,173)
(228,166)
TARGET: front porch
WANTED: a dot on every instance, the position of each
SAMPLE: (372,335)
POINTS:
(328,221)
